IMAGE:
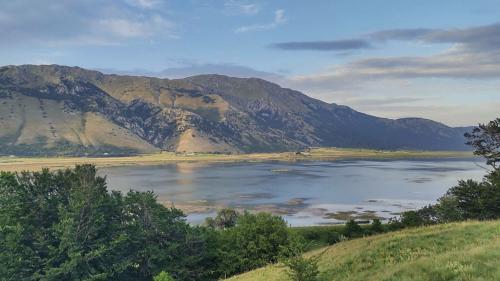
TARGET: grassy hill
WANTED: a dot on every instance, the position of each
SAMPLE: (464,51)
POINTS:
(458,251)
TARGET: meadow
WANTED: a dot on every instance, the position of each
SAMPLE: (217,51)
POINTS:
(455,251)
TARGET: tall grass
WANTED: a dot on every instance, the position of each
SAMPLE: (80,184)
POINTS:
(458,251)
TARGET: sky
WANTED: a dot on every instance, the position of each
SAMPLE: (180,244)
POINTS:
(391,58)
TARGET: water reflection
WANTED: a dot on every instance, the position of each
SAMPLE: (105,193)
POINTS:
(303,192)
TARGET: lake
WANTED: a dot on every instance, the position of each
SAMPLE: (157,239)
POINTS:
(304,193)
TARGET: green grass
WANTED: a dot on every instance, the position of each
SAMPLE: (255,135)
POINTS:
(458,251)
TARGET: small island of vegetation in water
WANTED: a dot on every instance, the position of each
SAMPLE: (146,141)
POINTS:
(66,225)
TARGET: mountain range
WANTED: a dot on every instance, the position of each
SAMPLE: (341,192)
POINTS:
(61,110)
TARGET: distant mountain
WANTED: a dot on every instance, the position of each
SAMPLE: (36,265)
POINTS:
(53,109)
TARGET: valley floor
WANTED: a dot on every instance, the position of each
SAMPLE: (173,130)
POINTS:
(11,163)
(456,251)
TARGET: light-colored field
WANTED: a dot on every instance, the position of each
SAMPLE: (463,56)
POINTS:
(458,251)
(37,163)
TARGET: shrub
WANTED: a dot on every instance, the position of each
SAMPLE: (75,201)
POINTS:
(352,229)
(301,268)
(376,226)
(255,240)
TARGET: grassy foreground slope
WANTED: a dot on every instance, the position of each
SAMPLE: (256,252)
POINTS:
(457,251)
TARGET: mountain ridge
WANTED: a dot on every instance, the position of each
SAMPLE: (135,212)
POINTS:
(53,109)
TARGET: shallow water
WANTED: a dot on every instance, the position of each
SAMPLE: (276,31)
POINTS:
(303,192)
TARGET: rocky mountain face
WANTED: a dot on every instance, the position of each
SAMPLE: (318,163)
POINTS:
(55,109)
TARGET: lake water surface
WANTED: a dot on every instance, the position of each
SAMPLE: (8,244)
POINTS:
(304,193)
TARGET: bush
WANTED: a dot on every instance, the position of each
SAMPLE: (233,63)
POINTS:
(352,229)
(255,240)
(302,268)
(376,226)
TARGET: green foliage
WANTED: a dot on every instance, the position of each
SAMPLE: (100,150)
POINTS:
(255,240)
(225,218)
(352,229)
(163,276)
(376,227)
(65,225)
(302,268)
(486,141)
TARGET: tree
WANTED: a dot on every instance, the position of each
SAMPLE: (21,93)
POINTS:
(226,218)
(65,225)
(376,226)
(352,229)
(255,240)
(486,141)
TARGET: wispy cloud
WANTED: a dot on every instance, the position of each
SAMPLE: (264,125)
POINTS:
(279,19)
(129,28)
(146,4)
(245,7)
(475,54)
(80,23)
(334,45)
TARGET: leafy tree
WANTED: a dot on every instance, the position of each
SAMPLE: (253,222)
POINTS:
(447,209)
(486,141)
(352,229)
(255,240)
(65,225)
(226,218)
(376,226)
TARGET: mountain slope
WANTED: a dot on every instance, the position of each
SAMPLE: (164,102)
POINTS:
(458,251)
(53,109)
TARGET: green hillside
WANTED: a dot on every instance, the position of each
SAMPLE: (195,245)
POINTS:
(457,251)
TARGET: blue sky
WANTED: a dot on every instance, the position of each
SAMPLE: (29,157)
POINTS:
(432,59)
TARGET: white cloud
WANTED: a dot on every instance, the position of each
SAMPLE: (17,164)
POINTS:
(279,19)
(245,7)
(147,4)
(80,23)
(127,28)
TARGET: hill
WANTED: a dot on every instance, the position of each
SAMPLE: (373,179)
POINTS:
(458,251)
(52,109)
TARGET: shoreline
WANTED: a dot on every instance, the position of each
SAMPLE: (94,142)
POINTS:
(17,164)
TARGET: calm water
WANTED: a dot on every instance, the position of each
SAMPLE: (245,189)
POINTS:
(305,193)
